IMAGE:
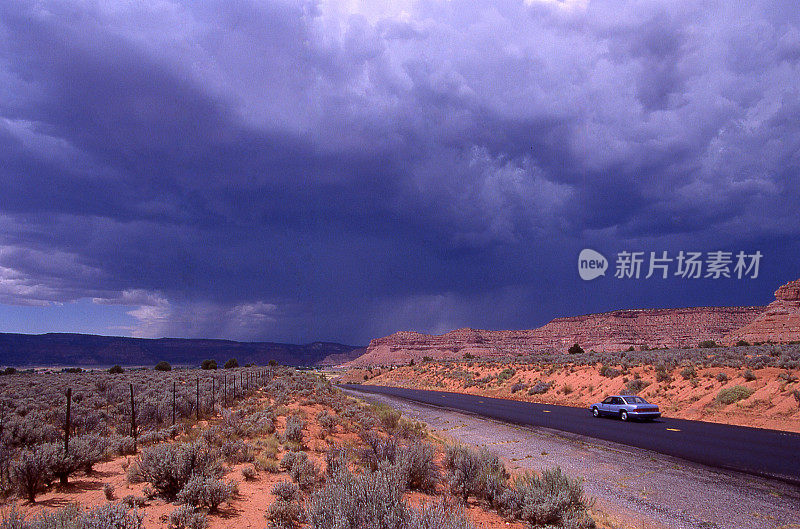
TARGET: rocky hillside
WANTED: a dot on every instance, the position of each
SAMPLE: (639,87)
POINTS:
(87,350)
(780,322)
(607,331)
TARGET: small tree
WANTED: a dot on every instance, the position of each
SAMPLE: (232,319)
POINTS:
(575,349)
(209,364)
(231,363)
(116,370)
(163,366)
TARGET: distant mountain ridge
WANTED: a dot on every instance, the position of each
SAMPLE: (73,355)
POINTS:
(67,349)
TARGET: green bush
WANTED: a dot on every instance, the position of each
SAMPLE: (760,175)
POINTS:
(733,394)
(575,349)
(208,365)
(688,372)
(163,366)
(636,385)
(707,344)
(608,371)
(505,374)
(116,370)
(231,363)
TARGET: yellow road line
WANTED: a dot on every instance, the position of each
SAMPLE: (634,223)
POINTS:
(673,429)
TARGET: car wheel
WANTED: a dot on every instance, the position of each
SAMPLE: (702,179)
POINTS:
(595,412)
(623,415)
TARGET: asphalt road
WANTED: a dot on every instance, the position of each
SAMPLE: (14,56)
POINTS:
(769,453)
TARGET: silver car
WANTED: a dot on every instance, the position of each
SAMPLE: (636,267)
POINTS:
(626,407)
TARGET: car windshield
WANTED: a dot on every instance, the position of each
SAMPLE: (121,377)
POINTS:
(635,400)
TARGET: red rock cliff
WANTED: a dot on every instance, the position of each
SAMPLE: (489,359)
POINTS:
(780,322)
(607,331)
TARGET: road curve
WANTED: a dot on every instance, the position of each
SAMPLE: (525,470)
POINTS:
(769,453)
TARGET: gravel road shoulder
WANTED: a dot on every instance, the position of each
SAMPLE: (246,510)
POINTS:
(633,488)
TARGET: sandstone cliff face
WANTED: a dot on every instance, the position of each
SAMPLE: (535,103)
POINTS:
(780,322)
(608,331)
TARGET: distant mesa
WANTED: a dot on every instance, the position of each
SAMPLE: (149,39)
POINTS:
(608,331)
(90,350)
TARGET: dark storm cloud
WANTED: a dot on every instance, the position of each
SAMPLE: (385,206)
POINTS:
(298,170)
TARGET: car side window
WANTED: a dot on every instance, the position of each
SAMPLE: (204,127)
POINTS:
(608,400)
(617,400)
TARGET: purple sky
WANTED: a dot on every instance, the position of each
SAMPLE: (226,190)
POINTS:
(339,170)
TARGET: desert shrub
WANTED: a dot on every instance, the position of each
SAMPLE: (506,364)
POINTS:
(519,386)
(540,388)
(290,458)
(662,374)
(109,516)
(335,459)
(60,463)
(231,363)
(567,389)
(733,394)
(373,500)
(417,460)
(439,515)
(116,370)
(410,429)
(552,499)
(707,344)
(249,473)
(748,375)
(284,512)
(688,372)
(326,421)
(294,429)
(575,349)
(608,371)
(187,517)
(305,473)
(108,491)
(208,365)
(788,376)
(388,416)
(505,374)
(636,385)
(30,473)
(123,446)
(742,343)
(721,377)
(796,395)
(169,467)
(163,366)
(209,492)
(378,451)
(475,472)
(236,451)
